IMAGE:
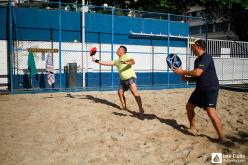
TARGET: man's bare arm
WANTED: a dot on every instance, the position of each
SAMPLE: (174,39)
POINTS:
(105,63)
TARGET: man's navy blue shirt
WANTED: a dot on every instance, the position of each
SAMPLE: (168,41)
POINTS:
(208,80)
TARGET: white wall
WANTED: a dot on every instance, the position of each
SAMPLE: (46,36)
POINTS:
(3,62)
(141,54)
(72,54)
(229,70)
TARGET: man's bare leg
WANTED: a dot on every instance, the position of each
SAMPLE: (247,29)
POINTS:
(122,99)
(137,97)
(191,117)
(216,122)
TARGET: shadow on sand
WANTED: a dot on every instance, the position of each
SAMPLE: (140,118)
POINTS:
(241,138)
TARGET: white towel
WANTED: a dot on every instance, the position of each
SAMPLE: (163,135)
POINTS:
(50,69)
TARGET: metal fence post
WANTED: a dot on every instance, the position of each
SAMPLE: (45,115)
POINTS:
(83,45)
(10,48)
(60,60)
(187,58)
(112,47)
(152,62)
(168,49)
(100,58)
(243,60)
(222,69)
(233,71)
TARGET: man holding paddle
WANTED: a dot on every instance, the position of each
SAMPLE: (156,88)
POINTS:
(207,86)
(127,76)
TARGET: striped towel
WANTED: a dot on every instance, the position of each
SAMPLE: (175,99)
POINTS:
(50,69)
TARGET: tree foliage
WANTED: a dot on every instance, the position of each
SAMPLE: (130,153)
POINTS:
(236,10)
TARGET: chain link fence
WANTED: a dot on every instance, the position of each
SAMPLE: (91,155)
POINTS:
(231,60)
(148,36)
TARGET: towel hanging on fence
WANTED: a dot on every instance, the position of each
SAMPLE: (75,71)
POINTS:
(31,64)
(50,69)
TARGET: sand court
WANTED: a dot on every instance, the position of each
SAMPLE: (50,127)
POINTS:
(89,128)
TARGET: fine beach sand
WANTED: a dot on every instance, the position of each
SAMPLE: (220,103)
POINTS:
(88,128)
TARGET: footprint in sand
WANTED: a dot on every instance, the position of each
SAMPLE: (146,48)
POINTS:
(227,150)
(243,135)
(240,121)
(114,139)
(240,115)
(208,159)
(148,105)
(60,139)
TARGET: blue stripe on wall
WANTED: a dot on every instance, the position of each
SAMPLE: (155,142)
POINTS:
(123,25)
(98,80)
(3,22)
(35,24)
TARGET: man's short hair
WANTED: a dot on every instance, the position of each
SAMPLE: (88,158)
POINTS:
(124,47)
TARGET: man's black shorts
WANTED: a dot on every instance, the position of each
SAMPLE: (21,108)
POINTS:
(125,84)
(204,99)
